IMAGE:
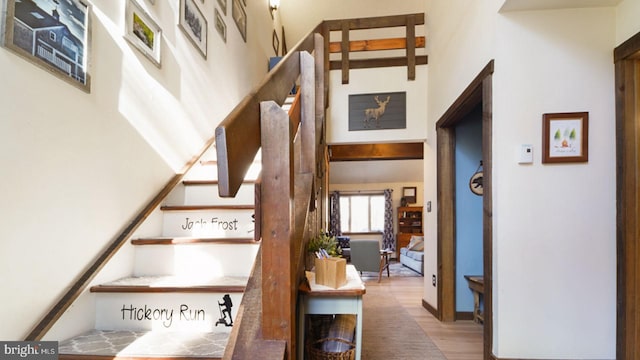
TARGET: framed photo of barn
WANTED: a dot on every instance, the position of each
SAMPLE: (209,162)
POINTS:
(53,34)
(142,32)
(378,111)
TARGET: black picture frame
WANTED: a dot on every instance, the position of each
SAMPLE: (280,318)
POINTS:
(410,194)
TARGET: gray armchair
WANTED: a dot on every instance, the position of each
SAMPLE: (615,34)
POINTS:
(365,255)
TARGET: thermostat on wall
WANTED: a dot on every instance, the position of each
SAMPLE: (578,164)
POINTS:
(525,154)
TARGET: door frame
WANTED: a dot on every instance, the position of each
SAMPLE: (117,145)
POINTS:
(479,92)
(627,83)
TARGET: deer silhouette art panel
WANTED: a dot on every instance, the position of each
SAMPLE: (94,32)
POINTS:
(378,111)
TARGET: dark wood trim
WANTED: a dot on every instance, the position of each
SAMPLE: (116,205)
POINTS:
(377,44)
(378,63)
(479,92)
(433,311)
(464,315)
(191,240)
(470,97)
(446,218)
(487,207)
(628,49)
(381,151)
(411,48)
(627,91)
(344,62)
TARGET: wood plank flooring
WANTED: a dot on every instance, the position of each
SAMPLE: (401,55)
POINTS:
(459,340)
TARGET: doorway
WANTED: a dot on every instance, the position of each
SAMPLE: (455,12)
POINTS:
(478,93)
(627,72)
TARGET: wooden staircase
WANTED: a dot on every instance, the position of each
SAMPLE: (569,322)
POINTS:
(174,305)
(194,262)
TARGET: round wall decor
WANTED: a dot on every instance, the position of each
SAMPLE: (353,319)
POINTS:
(475,183)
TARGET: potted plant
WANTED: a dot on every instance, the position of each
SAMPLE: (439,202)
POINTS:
(322,241)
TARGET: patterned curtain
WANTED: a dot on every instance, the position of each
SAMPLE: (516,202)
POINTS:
(388,241)
(334,214)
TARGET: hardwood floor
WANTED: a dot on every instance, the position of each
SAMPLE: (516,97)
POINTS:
(459,340)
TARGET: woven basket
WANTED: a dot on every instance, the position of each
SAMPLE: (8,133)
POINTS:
(315,352)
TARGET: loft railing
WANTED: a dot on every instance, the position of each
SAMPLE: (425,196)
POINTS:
(344,47)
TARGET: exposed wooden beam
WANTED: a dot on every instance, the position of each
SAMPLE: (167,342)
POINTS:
(411,49)
(387,151)
(376,44)
(344,64)
(377,63)
(374,22)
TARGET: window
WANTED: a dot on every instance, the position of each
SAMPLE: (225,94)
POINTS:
(362,213)
(52,36)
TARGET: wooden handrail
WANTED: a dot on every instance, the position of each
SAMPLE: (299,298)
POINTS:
(238,135)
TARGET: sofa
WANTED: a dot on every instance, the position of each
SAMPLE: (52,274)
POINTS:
(412,256)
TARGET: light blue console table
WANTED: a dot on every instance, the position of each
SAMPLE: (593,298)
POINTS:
(318,299)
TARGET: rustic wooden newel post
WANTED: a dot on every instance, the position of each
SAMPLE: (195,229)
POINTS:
(279,292)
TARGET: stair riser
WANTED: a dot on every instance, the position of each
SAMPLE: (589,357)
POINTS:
(200,172)
(164,311)
(208,195)
(210,223)
(201,260)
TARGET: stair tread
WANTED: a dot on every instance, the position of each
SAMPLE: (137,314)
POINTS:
(177,240)
(145,344)
(168,283)
(211,182)
(206,207)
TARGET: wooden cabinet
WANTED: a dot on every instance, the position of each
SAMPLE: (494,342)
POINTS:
(409,224)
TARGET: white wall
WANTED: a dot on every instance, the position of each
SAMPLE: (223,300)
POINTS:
(554,229)
(301,16)
(627,23)
(554,263)
(77,166)
(460,44)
